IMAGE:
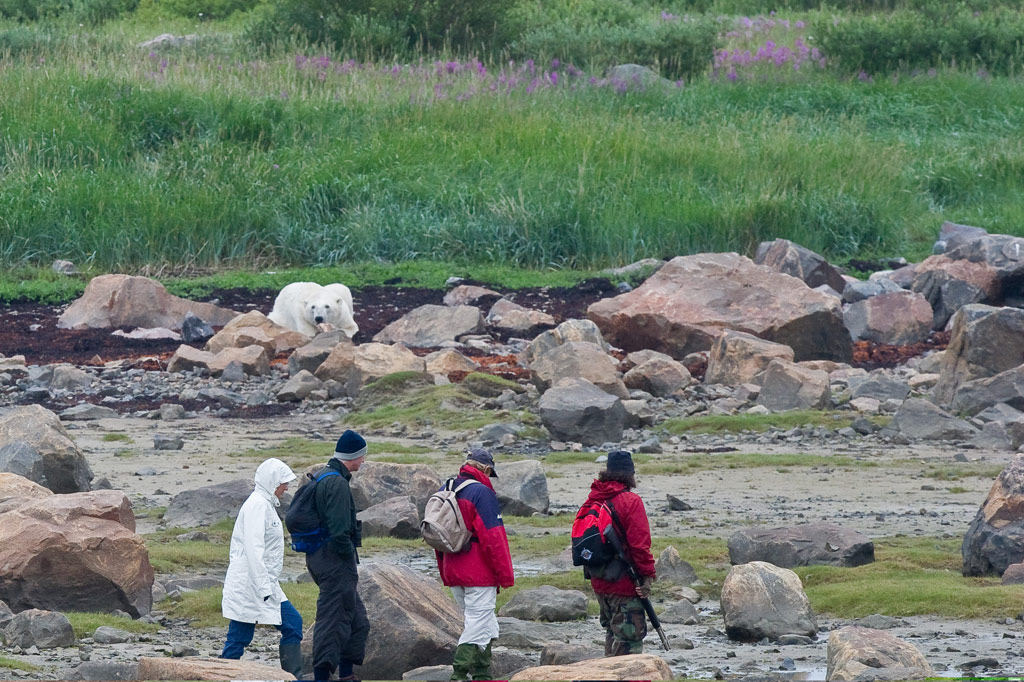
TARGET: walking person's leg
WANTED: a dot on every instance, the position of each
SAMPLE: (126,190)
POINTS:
(627,625)
(290,649)
(481,628)
(354,651)
(327,630)
(462,661)
(239,637)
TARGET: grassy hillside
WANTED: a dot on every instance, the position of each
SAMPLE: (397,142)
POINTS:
(221,155)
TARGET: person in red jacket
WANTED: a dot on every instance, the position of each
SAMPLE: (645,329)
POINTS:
(622,614)
(477,573)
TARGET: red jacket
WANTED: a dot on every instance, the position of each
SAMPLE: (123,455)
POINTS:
(487,561)
(629,509)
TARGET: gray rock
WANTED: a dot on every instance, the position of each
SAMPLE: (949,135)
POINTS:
(87,412)
(995,538)
(105,670)
(635,77)
(207,505)
(578,360)
(61,465)
(802,545)
(433,325)
(918,418)
(522,488)
(171,412)
(790,258)
(41,629)
(564,654)
(429,673)
(194,329)
(760,600)
(396,517)
(880,386)
(376,482)
(680,613)
(877,621)
(522,634)
(105,634)
(575,410)
(570,330)
(671,568)
(312,355)
(788,386)
(299,387)
(859,291)
(166,441)
(546,603)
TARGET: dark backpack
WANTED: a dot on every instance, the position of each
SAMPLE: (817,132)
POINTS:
(303,518)
(590,546)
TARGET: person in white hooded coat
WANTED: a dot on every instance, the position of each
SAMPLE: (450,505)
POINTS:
(252,594)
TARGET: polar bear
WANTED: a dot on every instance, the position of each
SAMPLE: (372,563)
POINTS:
(303,306)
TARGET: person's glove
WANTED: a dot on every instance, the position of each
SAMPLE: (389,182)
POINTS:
(643,590)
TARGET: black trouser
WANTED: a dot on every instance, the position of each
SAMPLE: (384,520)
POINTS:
(341,623)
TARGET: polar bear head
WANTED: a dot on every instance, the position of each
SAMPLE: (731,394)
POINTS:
(332,305)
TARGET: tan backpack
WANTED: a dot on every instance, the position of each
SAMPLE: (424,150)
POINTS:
(443,526)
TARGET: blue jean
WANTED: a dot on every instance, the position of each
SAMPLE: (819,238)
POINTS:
(240,634)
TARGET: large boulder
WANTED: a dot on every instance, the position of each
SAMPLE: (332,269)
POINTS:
(512,318)
(34,444)
(632,667)
(802,545)
(527,634)
(127,301)
(897,318)
(983,342)
(739,358)
(975,396)
(253,360)
(74,552)
(570,330)
(788,386)
(546,603)
(396,518)
(919,418)
(309,356)
(255,328)
(207,505)
(950,284)
(522,488)
(578,359)
(18,489)
(856,653)
(953,236)
(578,411)
(198,668)
(789,258)
(376,482)
(659,375)
(355,366)
(762,600)
(39,628)
(690,301)
(432,325)
(995,538)
(406,633)
(470,294)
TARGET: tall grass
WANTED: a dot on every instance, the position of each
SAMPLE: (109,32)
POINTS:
(209,156)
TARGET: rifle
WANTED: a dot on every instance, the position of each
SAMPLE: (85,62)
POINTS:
(616,544)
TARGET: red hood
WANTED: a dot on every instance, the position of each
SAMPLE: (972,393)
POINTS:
(603,490)
(469,471)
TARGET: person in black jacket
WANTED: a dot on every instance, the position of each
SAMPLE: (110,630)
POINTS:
(339,639)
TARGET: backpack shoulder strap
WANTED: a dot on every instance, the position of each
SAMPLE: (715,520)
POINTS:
(330,472)
(616,520)
(464,484)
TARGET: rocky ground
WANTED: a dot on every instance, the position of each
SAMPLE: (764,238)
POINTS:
(893,497)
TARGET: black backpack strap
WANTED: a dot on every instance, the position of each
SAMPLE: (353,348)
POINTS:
(615,519)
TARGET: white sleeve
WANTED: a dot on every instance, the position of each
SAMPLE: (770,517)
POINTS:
(253,545)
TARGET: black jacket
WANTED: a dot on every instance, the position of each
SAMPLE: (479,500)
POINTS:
(338,510)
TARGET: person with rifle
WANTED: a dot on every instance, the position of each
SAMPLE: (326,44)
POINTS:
(621,600)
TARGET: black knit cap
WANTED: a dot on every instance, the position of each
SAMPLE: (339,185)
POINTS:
(350,446)
(620,460)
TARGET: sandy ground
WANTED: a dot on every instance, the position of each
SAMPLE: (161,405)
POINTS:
(889,499)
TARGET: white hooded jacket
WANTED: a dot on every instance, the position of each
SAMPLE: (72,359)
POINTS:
(257,552)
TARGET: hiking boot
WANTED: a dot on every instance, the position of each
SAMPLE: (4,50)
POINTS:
(291,658)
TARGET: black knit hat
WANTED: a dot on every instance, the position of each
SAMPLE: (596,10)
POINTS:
(350,446)
(620,460)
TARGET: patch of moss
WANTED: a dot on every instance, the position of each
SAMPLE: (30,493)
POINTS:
(731,423)
(116,437)
(450,406)
(387,388)
(489,386)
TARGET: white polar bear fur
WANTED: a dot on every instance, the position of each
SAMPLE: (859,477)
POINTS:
(300,304)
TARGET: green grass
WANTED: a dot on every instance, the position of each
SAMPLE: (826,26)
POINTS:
(117,437)
(910,577)
(14,664)
(116,162)
(732,423)
(85,623)
(562,521)
(302,452)
(450,407)
(958,472)
(686,464)
(168,555)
